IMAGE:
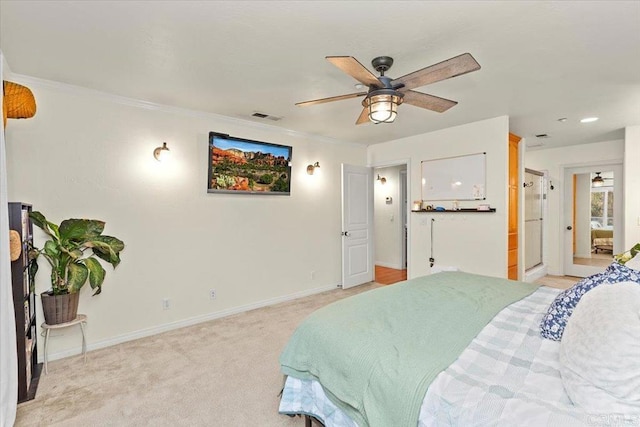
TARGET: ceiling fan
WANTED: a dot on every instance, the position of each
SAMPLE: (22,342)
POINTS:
(599,181)
(385,94)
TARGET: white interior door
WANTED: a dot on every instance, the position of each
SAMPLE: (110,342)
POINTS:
(357,225)
(592,211)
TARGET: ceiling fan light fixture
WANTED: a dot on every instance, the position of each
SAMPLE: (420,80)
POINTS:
(597,180)
(380,104)
(383,105)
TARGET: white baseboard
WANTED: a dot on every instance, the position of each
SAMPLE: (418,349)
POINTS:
(585,255)
(142,333)
(535,273)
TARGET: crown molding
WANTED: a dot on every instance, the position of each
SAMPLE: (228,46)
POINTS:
(152,106)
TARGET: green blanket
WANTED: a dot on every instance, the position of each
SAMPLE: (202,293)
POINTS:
(376,353)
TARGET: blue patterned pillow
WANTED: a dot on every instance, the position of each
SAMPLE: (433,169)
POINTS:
(553,323)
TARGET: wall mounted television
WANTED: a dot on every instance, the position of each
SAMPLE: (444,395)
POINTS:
(244,166)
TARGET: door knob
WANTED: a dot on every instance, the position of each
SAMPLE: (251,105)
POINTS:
(569,227)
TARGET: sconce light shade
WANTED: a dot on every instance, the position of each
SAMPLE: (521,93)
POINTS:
(383,105)
(312,168)
(161,153)
(382,179)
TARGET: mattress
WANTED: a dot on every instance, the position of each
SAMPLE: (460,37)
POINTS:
(507,376)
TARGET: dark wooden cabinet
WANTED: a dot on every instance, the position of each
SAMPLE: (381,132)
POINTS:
(24,302)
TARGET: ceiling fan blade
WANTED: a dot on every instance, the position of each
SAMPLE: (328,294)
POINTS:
(355,69)
(430,102)
(452,67)
(364,116)
(330,99)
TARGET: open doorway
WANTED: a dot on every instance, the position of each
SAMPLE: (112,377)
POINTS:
(390,223)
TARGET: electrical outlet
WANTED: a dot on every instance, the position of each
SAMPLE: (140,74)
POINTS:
(212,294)
(313,275)
(165,304)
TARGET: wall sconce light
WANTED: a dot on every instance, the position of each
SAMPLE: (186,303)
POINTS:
(161,153)
(311,168)
(382,179)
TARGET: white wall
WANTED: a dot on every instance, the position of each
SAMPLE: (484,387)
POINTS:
(87,154)
(632,186)
(474,242)
(554,160)
(387,218)
(8,356)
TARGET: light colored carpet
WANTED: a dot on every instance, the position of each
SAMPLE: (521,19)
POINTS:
(224,372)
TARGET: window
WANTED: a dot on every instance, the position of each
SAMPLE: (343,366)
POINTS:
(602,207)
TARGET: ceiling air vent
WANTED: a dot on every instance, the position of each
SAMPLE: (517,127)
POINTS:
(538,141)
(266,116)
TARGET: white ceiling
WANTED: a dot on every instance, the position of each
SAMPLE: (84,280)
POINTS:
(540,60)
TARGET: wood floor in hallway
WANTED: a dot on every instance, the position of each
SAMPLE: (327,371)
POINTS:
(388,276)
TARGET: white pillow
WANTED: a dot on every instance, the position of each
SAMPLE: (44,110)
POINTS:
(600,350)
(634,262)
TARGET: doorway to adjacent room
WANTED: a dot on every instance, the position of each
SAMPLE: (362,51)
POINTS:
(390,223)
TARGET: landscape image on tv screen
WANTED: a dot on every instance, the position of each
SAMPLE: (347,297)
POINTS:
(244,166)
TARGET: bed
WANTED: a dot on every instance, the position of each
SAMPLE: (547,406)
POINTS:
(601,239)
(361,368)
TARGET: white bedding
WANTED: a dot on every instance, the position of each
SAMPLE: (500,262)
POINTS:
(600,350)
(507,376)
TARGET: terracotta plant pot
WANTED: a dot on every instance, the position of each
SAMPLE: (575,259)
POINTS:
(59,308)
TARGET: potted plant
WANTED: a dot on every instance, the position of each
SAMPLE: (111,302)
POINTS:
(72,250)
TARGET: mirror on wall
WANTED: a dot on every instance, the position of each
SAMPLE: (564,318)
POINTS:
(593,218)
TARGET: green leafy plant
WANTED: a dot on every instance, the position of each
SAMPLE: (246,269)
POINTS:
(626,256)
(72,252)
